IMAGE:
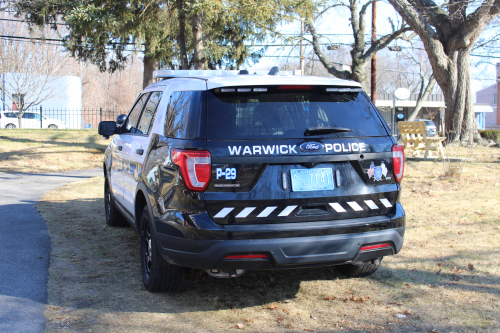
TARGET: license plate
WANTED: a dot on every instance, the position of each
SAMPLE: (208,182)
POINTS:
(312,179)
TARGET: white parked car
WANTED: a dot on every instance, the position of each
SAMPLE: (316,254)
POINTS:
(8,119)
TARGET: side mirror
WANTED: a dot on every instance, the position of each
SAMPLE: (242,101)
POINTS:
(107,128)
(120,120)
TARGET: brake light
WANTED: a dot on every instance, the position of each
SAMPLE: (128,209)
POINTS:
(398,162)
(248,256)
(300,87)
(195,166)
(374,247)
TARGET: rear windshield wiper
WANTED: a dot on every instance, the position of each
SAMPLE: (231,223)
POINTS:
(325,130)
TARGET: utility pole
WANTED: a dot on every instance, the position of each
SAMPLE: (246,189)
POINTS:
(374,59)
(301,48)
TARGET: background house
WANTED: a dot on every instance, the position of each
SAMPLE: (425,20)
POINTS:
(489,96)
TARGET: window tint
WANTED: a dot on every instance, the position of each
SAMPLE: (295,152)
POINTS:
(183,112)
(287,114)
(133,116)
(10,115)
(149,113)
(27,115)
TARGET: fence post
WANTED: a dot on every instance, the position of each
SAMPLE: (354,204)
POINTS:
(100,114)
(41,118)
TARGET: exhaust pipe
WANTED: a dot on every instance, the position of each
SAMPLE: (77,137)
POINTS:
(225,273)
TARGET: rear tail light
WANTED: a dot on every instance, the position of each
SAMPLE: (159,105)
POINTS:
(375,247)
(398,162)
(295,87)
(195,166)
(248,256)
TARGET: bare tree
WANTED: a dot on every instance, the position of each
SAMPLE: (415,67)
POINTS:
(30,67)
(449,32)
(360,54)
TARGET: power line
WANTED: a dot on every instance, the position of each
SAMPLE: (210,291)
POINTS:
(8,37)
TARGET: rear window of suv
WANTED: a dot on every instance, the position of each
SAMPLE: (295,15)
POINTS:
(286,112)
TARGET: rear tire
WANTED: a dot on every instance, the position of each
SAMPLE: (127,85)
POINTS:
(358,271)
(53,126)
(113,217)
(158,275)
(10,126)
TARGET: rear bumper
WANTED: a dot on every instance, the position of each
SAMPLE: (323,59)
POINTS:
(320,246)
(287,252)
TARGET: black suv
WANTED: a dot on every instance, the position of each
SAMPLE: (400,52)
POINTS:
(225,172)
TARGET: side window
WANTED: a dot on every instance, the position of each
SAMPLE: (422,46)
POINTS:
(148,115)
(27,115)
(135,113)
(177,114)
(36,116)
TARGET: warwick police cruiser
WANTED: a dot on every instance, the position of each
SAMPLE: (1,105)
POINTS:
(226,171)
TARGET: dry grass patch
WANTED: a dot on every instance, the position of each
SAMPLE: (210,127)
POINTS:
(446,278)
(45,150)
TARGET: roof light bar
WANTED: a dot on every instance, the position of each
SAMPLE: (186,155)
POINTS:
(259,89)
(244,89)
(227,90)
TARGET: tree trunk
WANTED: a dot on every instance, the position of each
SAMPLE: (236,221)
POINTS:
(181,37)
(150,65)
(198,54)
(358,68)
(456,91)
(422,98)
(19,119)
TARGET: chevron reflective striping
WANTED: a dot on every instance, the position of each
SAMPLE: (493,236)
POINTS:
(354,205)
(245,212)
(267,211)
(371,204)
(223,213)
(287,211)
(338,208)
(386,203)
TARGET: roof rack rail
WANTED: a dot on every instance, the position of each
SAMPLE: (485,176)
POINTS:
(168,73)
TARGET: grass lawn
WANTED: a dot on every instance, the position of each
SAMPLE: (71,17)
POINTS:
(45,150)
(445,279)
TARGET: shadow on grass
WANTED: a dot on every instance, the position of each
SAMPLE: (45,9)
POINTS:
(94,266)
(59,139)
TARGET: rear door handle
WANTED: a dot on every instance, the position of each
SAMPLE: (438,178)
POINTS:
(120,148)
(140,151)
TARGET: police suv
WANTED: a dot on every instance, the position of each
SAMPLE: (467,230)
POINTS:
(224,172)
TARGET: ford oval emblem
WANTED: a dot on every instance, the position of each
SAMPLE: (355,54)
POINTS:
(311,147)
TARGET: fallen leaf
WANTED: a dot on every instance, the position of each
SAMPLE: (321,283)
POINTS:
(239,326)
(272,306)
(329,298)
(470,267)
(279,319)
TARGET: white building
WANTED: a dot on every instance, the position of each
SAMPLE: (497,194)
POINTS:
(63,97)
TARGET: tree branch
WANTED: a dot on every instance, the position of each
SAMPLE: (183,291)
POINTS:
(383,42)
(317,50)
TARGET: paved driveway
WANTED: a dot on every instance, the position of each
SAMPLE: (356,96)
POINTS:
(25,247)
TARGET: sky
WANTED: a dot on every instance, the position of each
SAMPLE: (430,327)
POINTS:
(338,23)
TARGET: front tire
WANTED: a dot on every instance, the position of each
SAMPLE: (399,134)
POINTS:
(158,275)
(113,217)
(53,126)
(354,271)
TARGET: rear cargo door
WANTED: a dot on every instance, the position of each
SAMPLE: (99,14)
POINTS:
(295,154)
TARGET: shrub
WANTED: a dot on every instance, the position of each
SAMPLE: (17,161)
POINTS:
(491,135)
